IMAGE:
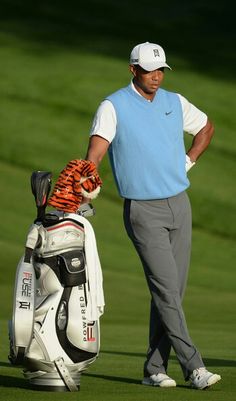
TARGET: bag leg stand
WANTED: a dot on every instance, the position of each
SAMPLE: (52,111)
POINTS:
(22,323)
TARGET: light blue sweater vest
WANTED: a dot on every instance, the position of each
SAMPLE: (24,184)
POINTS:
(147,154)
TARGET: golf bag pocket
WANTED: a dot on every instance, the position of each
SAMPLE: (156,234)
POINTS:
(66,234)
(72,268)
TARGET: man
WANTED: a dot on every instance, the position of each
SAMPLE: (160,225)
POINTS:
(142,127)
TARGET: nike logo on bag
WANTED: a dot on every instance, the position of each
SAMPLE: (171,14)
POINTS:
(168,112)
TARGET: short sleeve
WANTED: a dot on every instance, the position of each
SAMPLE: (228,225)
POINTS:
(193,118)
(104,122)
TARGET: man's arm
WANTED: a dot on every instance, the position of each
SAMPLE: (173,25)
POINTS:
(97,149)
(201,141)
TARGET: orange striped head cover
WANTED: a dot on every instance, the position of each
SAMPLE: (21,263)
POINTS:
(77,180)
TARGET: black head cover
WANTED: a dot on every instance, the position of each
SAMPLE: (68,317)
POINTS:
(41,186)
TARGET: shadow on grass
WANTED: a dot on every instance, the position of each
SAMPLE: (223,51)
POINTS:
(207,361)
(12,381)
(17,382)
(6,364)
(128,380)
(200,34)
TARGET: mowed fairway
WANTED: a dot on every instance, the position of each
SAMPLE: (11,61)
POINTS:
(49,92)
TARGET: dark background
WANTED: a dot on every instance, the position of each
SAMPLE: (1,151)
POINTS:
(199,33)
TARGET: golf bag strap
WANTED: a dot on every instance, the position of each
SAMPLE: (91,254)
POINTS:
(23,309)
(65,374)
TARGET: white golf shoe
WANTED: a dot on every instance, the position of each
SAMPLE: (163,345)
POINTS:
(201,379)
(160,380)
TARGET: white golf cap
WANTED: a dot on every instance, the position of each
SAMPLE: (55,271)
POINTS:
(149,56)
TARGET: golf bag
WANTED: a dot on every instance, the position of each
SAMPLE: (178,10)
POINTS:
(54,332)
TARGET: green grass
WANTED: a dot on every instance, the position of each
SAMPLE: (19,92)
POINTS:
(56,66)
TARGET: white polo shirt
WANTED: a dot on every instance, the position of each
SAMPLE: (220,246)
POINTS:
(104,122)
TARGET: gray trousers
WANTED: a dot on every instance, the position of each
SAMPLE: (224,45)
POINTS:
(161,232)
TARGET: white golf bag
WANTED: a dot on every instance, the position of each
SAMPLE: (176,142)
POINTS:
(54,332)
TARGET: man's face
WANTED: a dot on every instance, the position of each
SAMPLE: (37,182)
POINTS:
(147,83)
